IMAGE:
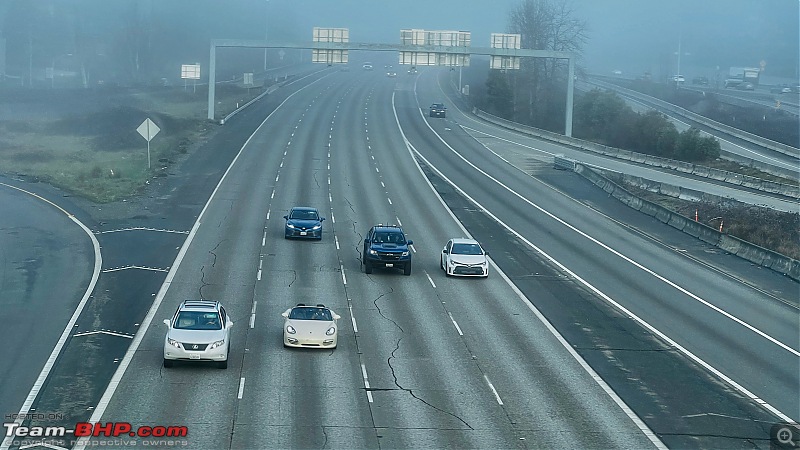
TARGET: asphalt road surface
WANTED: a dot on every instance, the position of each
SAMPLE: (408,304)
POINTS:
(677,334)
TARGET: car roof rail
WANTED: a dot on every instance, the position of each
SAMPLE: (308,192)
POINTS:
(200,303)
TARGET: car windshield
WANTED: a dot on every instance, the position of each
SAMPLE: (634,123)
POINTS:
(304,215)
(310,313)
(389,238)
(466,249)
(437,106)
(196,320)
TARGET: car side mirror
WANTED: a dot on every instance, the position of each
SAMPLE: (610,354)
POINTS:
(166,322)
(285,314)
(366,240)
(286,217)
(230,324)
(336,317)
(444,250)
(409,242)
(485,253)
(321,219)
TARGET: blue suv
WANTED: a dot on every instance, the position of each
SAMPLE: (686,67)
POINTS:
(386,246)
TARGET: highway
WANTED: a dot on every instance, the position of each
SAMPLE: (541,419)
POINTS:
(597,328)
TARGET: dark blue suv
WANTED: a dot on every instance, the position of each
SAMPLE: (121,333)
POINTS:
(386,246)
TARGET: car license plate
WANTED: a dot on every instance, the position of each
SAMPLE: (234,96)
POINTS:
(303,233)
(389,265)
(194,356)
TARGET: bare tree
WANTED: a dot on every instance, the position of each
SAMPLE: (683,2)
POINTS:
(544,25)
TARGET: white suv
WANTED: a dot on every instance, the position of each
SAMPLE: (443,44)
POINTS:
(200,330)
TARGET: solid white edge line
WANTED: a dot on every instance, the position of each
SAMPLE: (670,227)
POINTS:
(241,389)
(116,379)
(494,391)
(51,360)
(606,388)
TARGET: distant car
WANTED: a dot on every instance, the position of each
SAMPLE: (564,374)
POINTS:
(746,86)
(464,257)
(702,81)
(367,66)
(200,330)
(678,79)
(310,326)
(438,110)
(391,74)
(780,89)
(303,222)
(413,71)
(732,83)
(386,246)
(617,72)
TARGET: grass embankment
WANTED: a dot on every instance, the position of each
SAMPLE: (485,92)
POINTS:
(99,155)
(774,230)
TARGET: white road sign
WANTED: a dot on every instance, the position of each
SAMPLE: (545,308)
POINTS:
(148,129)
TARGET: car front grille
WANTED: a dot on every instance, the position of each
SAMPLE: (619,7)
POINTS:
(389,256)
(468,270)
(194,347)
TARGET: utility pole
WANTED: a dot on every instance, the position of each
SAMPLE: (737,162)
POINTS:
(266,33)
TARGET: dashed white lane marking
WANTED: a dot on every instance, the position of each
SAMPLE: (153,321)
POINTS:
(377,170)
(264,239)
(390,200)
(259,275)
(344,278)
(241,389)
(494,391)
(330,198)
(333,219)
(336,241)
(383,185)
(277,177)
(273,194)
(268,211)
(252,320)
(458,328)
(352,317)
(398,221)
(430,279)
(366,383)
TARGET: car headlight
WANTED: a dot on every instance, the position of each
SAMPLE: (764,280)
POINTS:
(405,253)
(373,252)
(216,344)
(330,331)
(316,227)
(290,329)
(288,225)
(174,343)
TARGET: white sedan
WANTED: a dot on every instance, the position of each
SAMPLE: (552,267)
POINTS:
(310,326)
(464,257)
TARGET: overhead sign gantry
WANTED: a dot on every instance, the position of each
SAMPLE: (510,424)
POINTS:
(441,48)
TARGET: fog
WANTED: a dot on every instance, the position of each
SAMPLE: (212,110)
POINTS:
(632,36)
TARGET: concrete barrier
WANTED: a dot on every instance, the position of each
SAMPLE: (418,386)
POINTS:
(733,245)
(677,221)
(668,189)
(730,244)
(752,253)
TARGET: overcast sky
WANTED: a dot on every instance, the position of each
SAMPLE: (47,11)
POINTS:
(630,35)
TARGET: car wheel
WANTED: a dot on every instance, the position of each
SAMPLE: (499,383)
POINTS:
(407,269)
(167,363)
(367,267)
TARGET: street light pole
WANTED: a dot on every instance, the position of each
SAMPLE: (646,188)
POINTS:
(266,33)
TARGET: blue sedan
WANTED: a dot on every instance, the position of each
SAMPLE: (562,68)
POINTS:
(303,222)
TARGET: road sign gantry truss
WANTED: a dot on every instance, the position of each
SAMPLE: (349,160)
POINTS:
(464,51)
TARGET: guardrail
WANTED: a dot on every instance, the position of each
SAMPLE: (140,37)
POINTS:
(737,179)
(753,138)
(733,245)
